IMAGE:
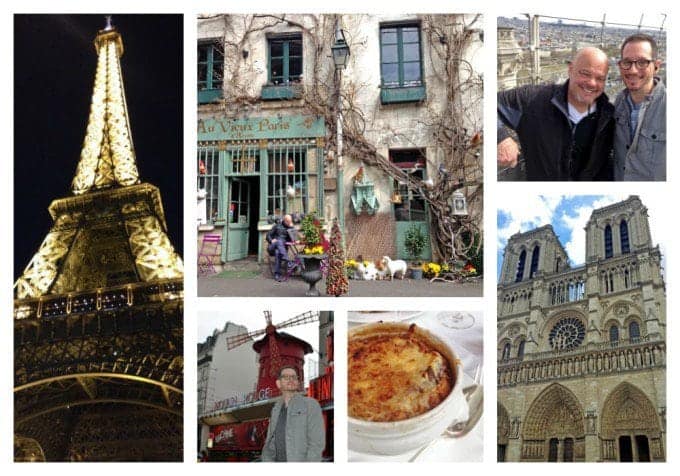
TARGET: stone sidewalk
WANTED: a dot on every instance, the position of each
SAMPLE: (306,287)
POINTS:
(253,280)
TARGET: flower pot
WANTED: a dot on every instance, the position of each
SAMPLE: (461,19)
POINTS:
(311,273)
(416,273)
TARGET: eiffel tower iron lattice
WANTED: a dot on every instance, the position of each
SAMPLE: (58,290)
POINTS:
(98,311)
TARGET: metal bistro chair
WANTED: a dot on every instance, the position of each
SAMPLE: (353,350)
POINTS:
(211,246)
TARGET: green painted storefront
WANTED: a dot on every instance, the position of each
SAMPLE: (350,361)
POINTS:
(257,167)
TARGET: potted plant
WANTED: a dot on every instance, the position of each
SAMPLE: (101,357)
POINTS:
(414,242)
(314,252)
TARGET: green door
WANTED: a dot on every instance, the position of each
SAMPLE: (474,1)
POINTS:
(238,219)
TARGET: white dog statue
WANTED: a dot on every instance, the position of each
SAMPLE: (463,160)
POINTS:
(370,272)
(395,266)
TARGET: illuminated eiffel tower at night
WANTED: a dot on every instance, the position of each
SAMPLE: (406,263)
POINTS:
(98,310)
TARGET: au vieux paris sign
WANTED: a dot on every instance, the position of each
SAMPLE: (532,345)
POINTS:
(291,127)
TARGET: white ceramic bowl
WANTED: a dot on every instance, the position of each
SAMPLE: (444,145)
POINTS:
(397,437)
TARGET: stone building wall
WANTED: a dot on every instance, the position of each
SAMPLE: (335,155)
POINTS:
(567,342)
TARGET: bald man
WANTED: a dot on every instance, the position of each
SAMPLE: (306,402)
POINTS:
(281,233)
(565,130)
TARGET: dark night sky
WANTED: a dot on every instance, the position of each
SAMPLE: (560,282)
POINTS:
(54,67)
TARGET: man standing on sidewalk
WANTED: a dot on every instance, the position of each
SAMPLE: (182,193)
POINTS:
(296,429)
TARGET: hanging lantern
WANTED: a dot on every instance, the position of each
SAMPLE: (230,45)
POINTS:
(459,204)
(429,184)
(396,198)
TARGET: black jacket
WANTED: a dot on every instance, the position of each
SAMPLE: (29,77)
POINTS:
(540,117)
(281,232)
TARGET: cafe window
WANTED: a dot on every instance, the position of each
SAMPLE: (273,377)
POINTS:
(409,204)
(210,71)
(285,59)
(400,56)
(208,180)
(401,66)
(288,181)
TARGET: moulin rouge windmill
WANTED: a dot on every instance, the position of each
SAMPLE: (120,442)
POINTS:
(277,349)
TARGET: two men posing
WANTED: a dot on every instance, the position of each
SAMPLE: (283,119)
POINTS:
(572,132)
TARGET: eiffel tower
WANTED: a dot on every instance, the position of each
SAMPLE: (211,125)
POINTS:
(98,311)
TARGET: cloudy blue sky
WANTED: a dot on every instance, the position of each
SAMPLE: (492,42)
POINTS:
(568,215)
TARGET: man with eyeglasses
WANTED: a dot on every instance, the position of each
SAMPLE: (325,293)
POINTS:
(565,130)
(296,428)
(640,140)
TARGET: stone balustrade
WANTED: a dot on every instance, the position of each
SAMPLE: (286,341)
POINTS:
(593,359)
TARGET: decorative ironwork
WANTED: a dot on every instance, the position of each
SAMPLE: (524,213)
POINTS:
(108,156)
(98,312)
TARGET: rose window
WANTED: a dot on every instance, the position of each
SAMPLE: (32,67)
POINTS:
(567,334)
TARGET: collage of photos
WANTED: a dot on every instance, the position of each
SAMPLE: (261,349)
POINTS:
(339,155)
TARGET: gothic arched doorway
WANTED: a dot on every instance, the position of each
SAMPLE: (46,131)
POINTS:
(554,427)
(630,427)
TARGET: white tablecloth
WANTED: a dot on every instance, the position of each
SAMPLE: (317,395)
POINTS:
(468,345)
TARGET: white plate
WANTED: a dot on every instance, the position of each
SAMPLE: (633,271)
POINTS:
(365,317)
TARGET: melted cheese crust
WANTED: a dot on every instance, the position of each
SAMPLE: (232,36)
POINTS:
(395,376)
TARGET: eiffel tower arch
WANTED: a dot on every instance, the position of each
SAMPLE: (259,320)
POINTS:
(98,310)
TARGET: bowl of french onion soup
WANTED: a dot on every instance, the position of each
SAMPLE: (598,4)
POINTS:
(404,387)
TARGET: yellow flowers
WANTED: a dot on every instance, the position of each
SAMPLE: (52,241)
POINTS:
(431,269)
(351,263)
(314,250)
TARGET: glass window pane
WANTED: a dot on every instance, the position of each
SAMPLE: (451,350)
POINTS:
(202,73)
(295,68)
(277,69)
(295,48)
(276,48)
(202,53)
(412,52)
(411,72)
(389,54)
(388,35)
(390,73)
(409,34)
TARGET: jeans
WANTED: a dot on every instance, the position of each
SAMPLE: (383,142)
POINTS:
(278,250)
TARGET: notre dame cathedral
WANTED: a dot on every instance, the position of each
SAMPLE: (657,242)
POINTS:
(582,350)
